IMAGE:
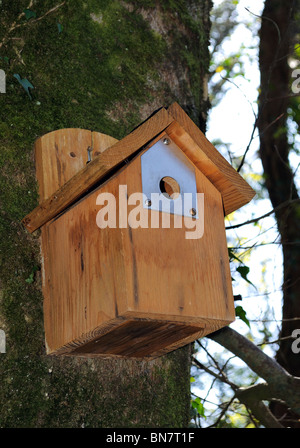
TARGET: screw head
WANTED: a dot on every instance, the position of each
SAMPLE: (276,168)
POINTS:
(193,212)
(166,141)
(148,202)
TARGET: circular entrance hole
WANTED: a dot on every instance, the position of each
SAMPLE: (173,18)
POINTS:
(169,187)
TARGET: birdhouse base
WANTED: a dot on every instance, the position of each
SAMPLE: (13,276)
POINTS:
(136,338)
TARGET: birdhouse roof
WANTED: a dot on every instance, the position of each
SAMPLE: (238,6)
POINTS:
(174,122)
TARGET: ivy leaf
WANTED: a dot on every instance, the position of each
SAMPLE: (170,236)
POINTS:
(196,404)
(59,27)
(25,84)
(241,313)
(244,271)
(30,279)
(29,14)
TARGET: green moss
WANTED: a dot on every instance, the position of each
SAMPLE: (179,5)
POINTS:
(186,49)
(82,72)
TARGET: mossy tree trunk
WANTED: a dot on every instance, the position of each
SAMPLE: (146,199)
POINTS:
(103,65)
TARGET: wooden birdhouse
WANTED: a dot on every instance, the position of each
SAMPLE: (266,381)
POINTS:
(133,244)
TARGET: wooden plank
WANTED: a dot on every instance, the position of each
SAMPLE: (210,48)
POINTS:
(96,170)
(61,154)
(82,265)
(235,191)
(168,274)
(136,338)
(73,349)
(101,142)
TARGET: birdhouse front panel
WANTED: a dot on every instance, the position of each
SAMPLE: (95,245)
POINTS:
(138,265)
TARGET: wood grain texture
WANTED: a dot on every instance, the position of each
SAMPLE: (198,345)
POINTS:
(58,156)
(174,276)
(98,279)
(74,349)
(61,154)
(137,338)
(235,191)
(92,173)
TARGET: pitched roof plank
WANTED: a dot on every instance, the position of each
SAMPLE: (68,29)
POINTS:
(96,170)
(235,191)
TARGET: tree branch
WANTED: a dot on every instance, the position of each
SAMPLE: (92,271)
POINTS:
(16,25)
(251,397)
(48,12)
(259,409)
(255,358)
(220,377)
(259,392)
(283,385)
(276,209)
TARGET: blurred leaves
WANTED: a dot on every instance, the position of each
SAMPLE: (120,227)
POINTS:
(198,406)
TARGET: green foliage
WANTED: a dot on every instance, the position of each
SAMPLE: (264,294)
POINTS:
(241,313)
(198,406)
(225,69)
(244,271)
(232,255)
(239,418)
(30,279)
(29,14)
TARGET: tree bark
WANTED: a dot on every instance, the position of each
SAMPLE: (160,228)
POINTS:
(104,66)
(275,47)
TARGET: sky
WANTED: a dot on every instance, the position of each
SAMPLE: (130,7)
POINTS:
(234,116)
